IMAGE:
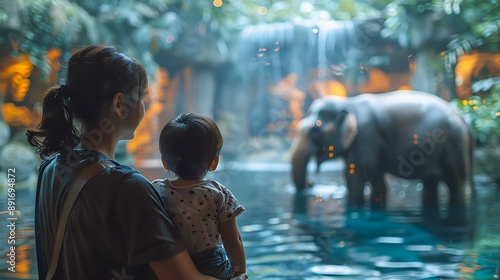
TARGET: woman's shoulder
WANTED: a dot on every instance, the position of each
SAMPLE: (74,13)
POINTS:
(159,182)
(128,175)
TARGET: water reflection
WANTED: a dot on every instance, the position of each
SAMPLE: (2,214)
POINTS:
(22,261)
(308,235)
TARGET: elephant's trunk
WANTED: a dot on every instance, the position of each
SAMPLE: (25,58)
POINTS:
(318,164)
(300,158)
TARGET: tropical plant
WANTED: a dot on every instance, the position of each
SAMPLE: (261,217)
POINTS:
(146,26)
(34,27)
(483,116)
(476,22)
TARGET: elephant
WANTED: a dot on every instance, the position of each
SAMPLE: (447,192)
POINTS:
(406,133)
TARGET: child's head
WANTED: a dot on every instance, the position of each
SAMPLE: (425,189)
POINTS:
(190,145)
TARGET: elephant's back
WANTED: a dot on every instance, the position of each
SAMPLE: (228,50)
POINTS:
(403,99)
(414,124)
(409,108)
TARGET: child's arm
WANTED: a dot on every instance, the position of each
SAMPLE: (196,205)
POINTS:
(234,245)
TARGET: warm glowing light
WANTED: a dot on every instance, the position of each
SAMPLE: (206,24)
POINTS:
(18,75)
(17,115)
(318,123)
(330,155)
(415,136)
(262,10)
(217,3)
(464,102)
(351,168)
(330,148)
(497,114)
(474,107)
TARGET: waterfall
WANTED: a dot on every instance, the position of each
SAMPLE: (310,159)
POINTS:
(268,53)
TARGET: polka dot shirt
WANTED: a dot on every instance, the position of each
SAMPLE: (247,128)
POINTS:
(197,210)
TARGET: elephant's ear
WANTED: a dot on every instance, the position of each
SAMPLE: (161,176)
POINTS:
(348,129)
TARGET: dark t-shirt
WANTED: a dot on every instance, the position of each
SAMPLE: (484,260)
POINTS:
(117,226)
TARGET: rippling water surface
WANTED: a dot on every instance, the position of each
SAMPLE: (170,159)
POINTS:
(309,236)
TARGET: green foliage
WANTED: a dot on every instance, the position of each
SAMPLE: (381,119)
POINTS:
(483,32)
(143,26)
(482,114)
(476,22)
(36,26)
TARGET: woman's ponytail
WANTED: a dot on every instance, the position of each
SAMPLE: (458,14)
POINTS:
(55,131)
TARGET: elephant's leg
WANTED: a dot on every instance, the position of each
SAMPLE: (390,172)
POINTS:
(430,202)
(356,198)
(456,203)
(378,200)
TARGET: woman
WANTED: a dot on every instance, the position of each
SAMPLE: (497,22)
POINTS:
(118,228)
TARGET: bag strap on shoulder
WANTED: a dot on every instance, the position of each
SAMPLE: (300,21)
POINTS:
(75,188)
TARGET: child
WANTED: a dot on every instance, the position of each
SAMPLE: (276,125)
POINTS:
(203,211)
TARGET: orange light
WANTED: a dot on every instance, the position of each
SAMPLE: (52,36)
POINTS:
(217,3)
(17,115)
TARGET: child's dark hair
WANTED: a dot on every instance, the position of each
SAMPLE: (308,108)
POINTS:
(189,144)
(94,75)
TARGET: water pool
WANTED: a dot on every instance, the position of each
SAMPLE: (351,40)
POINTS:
(308,236)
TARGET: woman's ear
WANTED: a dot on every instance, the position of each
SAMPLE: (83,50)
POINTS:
(214,164)
(117,104)
(348,129)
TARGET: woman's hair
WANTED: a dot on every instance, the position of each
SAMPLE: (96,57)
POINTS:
(94,75)
(189,144)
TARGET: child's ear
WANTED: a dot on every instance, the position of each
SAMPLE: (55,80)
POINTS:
(165,165)
(214,164)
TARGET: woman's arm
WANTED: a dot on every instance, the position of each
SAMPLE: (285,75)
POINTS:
(234,245)
(177,267)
